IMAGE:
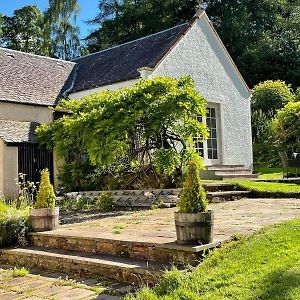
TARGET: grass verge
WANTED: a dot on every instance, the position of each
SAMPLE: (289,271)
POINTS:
(265,265)
(270,189)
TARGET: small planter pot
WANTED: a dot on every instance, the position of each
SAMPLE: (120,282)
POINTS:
(194,228)
(44,219)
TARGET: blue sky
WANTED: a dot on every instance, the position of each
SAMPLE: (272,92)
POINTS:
(89,9)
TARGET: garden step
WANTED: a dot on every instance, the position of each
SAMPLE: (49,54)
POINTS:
(226,176)
(234,172)
(221,167)
(216,197)
(85,265)
(219,186)
(157,252)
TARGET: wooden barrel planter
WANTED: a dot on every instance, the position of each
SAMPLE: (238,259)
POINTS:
(44,219)
(194,228)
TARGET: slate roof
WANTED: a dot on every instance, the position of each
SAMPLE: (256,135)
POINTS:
(17,132)
(33,79)
(37,80)
(121,63)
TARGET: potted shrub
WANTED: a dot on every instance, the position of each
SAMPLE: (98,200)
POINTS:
(194,223)
(44,216)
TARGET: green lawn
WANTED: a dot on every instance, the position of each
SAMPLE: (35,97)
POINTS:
(264,266)
(270,187)
(269,173)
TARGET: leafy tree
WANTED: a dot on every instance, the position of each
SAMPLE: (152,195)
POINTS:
(160,112)
(124,20)
(269,96)
(286,126)
(23,30)
(61,22)
(262,36)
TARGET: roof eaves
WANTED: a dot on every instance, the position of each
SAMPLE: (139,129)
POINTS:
(102,85)
(38,56)
(26,103)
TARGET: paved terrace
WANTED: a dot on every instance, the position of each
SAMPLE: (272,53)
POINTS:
(157,226)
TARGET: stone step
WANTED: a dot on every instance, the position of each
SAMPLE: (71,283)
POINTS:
(238,176)
(145,251)
(86,265)
(220,167)
(233,171)
(217,197)
(219,186)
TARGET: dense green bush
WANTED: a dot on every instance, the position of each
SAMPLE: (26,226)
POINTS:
(193,196)
(14,224)
(269,96)
(286,126)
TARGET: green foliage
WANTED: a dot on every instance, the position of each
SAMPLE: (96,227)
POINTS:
(193,196)
(53,33)
(104,125)
(120,21)
(262,37)
(269,96)
(61,18)
(286,126)
(23,30)
(262,266)
(14,224)
(79,176)
(166,161)
(22,272)
(105,202)
(46,196)
(297,94)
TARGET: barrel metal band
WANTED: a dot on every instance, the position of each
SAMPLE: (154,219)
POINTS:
(43,217)
(194,224)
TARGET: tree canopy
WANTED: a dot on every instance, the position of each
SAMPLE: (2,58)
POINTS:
(52,33)
(151,124)
(23,31)
(261,35)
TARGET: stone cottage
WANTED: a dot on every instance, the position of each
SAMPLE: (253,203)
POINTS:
(30,85)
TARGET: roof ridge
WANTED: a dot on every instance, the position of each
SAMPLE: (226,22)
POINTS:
(123,44)
(39,56)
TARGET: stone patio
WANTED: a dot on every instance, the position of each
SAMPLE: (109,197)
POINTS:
(157,226)
(133,247)
(42,285)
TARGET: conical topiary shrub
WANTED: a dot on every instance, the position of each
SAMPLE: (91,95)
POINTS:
(46,195)
(193,196)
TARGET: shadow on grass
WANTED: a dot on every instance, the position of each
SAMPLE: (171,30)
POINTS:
(279,285)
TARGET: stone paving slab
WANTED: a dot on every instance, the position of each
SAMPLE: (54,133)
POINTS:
(43,287)
(157,226)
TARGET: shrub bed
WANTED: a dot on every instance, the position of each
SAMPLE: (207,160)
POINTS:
(14,225)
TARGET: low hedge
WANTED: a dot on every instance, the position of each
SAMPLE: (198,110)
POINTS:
(14,225)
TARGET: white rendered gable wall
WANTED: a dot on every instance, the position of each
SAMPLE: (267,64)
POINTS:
(201,55)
